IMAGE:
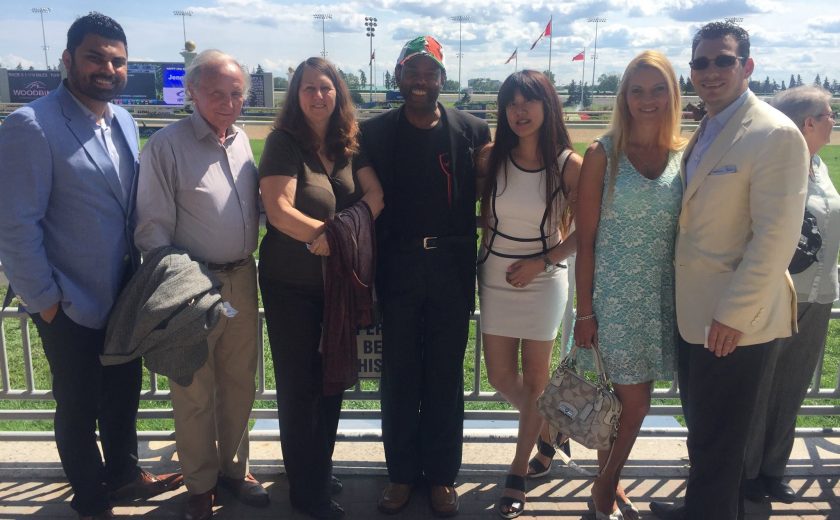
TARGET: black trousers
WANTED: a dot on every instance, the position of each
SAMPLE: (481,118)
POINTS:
(308,418)
(718,397)
(86,393)
(425,324)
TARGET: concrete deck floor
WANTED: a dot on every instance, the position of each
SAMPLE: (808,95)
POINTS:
(32,483)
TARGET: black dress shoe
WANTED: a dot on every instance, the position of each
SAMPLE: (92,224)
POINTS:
(754,489)
(779,490)
(665,511)
(247,490)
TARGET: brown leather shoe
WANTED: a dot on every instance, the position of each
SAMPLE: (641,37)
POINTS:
(394,498)
(200,506)
(147,485)
(247,490)
(444,500)
(108,514)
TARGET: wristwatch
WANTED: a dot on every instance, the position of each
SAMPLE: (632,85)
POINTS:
(549,265)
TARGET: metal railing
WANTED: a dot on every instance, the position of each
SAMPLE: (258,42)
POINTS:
(473,394)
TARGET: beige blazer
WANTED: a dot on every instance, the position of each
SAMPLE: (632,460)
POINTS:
(740,223)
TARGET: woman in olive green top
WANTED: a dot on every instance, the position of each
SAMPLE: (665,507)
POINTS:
(307,174)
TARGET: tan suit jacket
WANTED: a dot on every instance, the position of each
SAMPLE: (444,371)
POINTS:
(740,223)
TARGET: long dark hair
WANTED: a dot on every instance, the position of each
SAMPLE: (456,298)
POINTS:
(341,141)
(553,139)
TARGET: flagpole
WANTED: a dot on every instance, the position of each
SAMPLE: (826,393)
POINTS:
(550,38)
(582,74)
(516,61)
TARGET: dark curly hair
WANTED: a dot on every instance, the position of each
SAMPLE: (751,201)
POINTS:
(341,141)
(94,23)
(715,30)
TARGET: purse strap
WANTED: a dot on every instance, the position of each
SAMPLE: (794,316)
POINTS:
(570,361)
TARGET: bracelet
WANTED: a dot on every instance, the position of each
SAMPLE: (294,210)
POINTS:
(587,317)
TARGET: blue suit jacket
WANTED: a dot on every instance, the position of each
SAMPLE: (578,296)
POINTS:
(65,223)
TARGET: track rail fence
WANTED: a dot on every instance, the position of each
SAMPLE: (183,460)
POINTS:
(20,351)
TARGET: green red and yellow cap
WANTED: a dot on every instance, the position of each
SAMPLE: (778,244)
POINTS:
(422,46)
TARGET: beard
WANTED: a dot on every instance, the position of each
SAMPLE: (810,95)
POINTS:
(88,87)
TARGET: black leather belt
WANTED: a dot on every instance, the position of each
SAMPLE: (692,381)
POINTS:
(430,243)
(230,266)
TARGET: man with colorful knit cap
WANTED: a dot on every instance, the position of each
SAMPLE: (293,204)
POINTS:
(424,156)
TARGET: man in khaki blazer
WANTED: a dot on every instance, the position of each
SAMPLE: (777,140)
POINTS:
(743,201)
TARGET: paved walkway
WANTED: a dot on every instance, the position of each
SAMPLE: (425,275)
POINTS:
(31,483)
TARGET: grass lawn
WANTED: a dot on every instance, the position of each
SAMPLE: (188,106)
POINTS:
(41,375)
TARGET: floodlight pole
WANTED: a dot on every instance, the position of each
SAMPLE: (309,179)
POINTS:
(323,17)
(41,11)
(370,28)
(461,20)
(596,20)
(183,15)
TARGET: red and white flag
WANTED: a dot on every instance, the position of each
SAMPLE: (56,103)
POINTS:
(546,32)
(578,57)
(512,56)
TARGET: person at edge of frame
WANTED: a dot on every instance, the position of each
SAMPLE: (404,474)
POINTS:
(69,164)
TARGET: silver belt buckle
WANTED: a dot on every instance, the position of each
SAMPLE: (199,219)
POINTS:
(426,243)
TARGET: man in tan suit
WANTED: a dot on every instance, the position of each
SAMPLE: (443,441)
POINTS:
(744,196)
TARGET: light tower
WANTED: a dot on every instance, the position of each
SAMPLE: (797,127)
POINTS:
(370,30)
(183,15)
(596,21)
(461,20)
(323,17)
(41,11)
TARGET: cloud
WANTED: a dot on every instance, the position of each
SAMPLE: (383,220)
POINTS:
(705,10)
(829,25)
(10,61)
(762,39)
(635,12)
(280,33)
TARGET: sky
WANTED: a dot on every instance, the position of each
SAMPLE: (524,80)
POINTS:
(788,37)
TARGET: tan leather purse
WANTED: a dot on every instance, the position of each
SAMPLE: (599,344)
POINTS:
(578,408)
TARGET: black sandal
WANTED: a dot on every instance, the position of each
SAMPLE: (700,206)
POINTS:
(510,507)
(537,468)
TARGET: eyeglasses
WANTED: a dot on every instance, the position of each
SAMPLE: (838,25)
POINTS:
(723,61)
(833,115)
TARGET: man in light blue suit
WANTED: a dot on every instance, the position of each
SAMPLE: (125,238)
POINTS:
(68,167)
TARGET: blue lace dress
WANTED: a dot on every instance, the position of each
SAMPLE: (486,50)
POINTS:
(634,272)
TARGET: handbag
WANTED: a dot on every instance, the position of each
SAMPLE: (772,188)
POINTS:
(585,411)
(810,243)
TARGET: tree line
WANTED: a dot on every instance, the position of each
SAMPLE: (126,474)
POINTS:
(606,84)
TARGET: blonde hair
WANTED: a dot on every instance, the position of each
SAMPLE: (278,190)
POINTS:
(620,125)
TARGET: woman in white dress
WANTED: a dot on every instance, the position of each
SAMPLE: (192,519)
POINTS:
(529,180)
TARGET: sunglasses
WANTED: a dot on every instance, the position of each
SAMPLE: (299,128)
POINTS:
(723,61)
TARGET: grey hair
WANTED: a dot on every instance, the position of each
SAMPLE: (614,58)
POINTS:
(208,59)
(800,103)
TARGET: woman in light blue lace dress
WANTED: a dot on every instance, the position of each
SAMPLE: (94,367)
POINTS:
(629,201)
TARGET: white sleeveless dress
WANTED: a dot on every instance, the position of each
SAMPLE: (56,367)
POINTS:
(518,229)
